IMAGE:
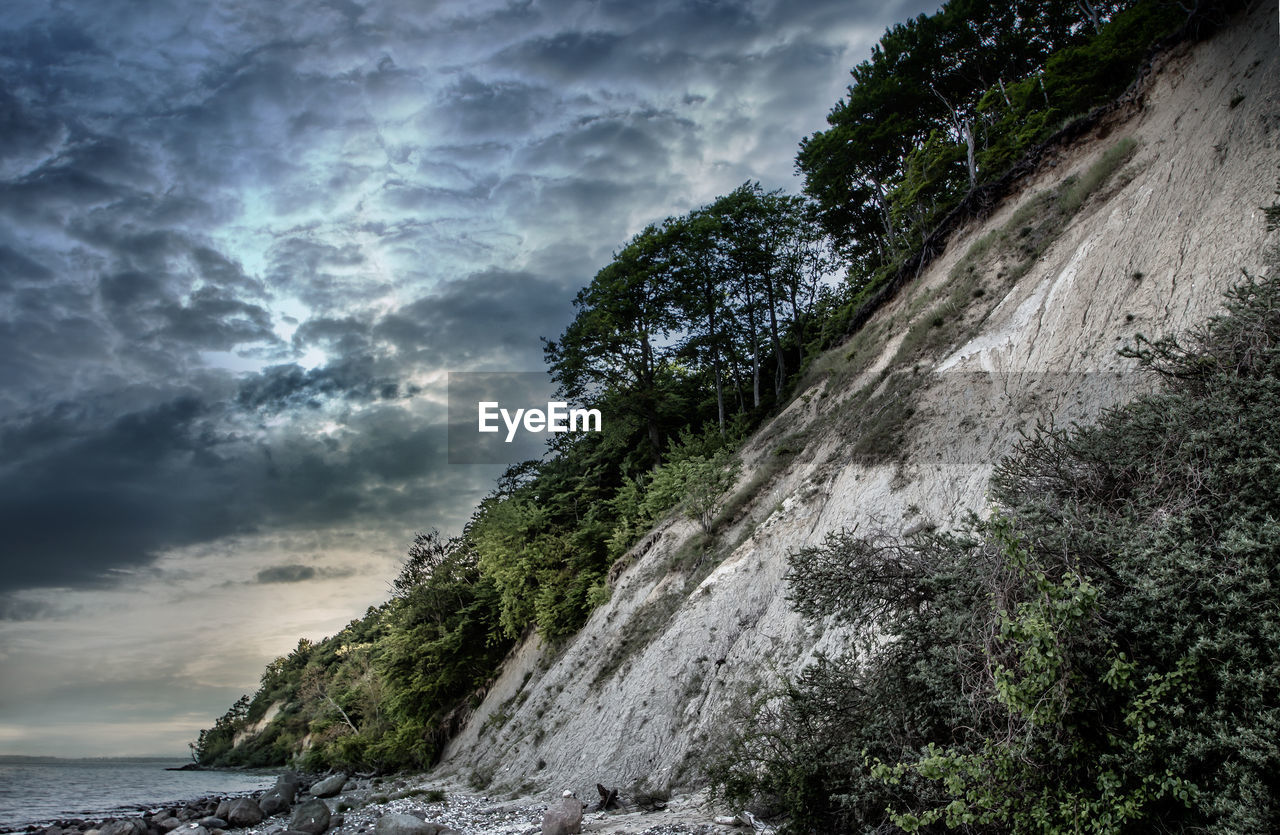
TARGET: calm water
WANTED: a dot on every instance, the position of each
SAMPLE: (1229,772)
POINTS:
(34,790)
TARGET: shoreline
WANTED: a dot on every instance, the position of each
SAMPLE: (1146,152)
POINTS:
(412,804)
(47,812)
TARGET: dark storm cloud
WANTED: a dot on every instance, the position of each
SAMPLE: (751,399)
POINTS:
(567,56)
(299,573)
(14,266)
(612,145)
(53,189)
(216,268)
(493,319)
(351,378)
(482,109)
(325,276)
(238,245)
(24,133)
(14,608)
(233,242)
(98,503)
(292,573)
(420,199)
(215,320)
(76,499)
(343,336)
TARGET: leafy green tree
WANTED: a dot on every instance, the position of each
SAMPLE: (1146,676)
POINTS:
(618,339)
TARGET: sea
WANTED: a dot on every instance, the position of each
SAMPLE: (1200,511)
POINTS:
(42,789)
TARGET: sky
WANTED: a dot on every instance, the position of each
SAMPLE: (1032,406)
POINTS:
(241,246)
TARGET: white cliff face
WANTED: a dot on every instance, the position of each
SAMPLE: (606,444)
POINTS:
(1151,252)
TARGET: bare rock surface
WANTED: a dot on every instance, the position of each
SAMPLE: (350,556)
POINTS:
(244,811)
(563,817)
(312,817)
(329,786)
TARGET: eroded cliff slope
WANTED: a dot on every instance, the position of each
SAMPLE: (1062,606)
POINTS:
(1137,228)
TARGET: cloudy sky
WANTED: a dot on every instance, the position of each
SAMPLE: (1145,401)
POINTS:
(241,243)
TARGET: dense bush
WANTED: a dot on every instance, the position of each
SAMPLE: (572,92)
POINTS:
(1101,655)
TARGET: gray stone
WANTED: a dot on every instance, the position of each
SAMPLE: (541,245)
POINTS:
(329,786)
(355,797)
(224,808)
(167,824)
(244,812)
(276,800)
(311,816)
(287,788)
(131,826)
(213,822)
(400,824)
(563,817)
(396,823)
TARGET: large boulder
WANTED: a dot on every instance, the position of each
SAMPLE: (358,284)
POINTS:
(311,816)
(329,786)
(244,811)
(224,807)
(288,786)
(396,823)
(564,817)
(131,826)
(276,800)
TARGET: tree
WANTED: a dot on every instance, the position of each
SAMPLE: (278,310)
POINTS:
(617,340)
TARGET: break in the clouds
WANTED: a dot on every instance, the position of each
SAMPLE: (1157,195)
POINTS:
(242,243)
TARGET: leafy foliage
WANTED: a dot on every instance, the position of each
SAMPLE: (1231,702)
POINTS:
(937,121)
(1102,654)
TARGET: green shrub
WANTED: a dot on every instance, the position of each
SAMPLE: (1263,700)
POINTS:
(1101,655)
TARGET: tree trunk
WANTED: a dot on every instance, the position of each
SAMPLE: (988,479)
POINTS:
(737,385)
(780,374)
(755,344)
(1091,12)
(647,394)
(970,157)
(715,353)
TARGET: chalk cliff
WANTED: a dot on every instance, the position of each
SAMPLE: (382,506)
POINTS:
(1137,227)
